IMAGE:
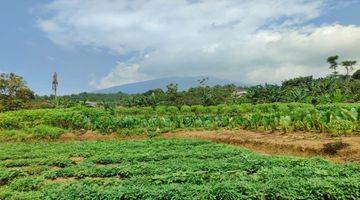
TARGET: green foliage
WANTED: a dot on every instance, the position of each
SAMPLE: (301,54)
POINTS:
(168,169)
(341,127)
(332,89)
(13,92)
(13,135)
(356,75)
(332,60)
(26,184)
(46,132)
(348,65)
(336,119)
(298,82)
(201,95)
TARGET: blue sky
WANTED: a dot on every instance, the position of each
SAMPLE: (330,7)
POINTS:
(98,44)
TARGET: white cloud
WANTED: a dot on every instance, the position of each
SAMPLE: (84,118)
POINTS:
(121,74)
(233,39)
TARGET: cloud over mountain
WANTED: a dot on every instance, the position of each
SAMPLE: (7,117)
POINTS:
(252,41)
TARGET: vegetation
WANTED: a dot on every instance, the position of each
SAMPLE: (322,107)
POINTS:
(337,119)
(34,165)
(166,169)
(332,89)
(332,60)
(356,75)
(13,92)
(201,95)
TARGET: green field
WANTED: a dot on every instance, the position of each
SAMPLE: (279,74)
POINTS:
(166,169)
(34,164)
(335,119)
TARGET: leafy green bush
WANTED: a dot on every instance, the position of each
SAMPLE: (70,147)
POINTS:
(46,132)
(7,176)
(185,109)
(341,127)
(26,184)
(13,135)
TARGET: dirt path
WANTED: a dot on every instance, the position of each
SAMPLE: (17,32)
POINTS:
(291,144)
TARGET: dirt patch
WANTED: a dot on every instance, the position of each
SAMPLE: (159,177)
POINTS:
(55,168)
(290,144)
(71,179)
(60,180)
(77,159)
(90,135)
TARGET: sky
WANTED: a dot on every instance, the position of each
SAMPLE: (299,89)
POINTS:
(95,44)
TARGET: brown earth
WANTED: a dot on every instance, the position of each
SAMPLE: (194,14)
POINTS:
(77,159)
(290,144)
(89,135)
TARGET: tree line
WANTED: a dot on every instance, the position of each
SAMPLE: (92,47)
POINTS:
(15,94)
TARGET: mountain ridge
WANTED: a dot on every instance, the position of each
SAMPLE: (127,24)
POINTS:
(184,83)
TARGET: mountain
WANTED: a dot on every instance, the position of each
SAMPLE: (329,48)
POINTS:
(184,83)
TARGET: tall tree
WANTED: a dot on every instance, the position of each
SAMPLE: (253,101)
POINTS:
(13,92)
(332,60)
(348,65)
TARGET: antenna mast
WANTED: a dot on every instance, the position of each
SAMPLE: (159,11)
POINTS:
(55,84)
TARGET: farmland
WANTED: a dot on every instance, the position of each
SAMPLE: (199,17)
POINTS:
(166,169)
(334,119)
(37,161)
(184,99)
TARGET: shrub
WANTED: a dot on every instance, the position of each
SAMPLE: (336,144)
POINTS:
(185,109)
(13,135)
(26,184)
(46,132)
(8,175)
(172,109)
(339,127)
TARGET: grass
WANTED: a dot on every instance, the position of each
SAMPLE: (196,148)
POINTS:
(41,131)
(166,169)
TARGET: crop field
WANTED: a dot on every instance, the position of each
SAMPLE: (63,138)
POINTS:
(35,163)
(166,169)
(180,100)
(335,119)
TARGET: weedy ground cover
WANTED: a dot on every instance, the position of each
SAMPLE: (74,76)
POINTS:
(166,169)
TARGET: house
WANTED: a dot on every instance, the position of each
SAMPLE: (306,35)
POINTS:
(240,93)
(92,104)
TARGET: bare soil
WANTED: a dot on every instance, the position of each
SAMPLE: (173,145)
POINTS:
(302,144)
(77,159)
(90,135)
(290,144)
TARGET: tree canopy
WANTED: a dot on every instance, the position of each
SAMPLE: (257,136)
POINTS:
(13,92)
